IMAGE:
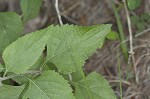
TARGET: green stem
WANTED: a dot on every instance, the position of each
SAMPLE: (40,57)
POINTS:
(124,46)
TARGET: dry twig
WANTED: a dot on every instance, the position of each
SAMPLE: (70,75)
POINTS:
(131,52)
(58,12)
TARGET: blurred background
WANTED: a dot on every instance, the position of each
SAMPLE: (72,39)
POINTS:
(135,80)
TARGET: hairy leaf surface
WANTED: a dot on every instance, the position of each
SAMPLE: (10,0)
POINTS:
(50,85)
(10,29)
(99,88)
(69,46)
(10,92)
(24,52)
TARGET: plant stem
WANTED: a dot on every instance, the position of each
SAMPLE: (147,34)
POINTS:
(131,52)
(121,32)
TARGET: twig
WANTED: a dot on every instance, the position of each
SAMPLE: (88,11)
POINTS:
(143,32)
(118,81)
(133,94)
(131,52)
(129,27)
(58,12)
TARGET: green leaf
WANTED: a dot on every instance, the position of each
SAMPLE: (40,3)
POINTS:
(77,76)
(33,72)
(145,17)
(1,67)
(133,4)
(38,64)
(50,85)
(99,88)
(24,52)
(140,26)
(69,46)
(10,92)
(30,8)
(134,20)
(112,35)
(22,80)
(10,28)
(49,66)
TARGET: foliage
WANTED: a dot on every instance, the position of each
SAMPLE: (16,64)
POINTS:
(39,62)
(122,36)
(10,92)
(30,9)
(133,4)
(24,56)
(50,85)
(79,44)
(68,47)
(113,35)
(24,52)
(99,90)
(8,31)
(140,22)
